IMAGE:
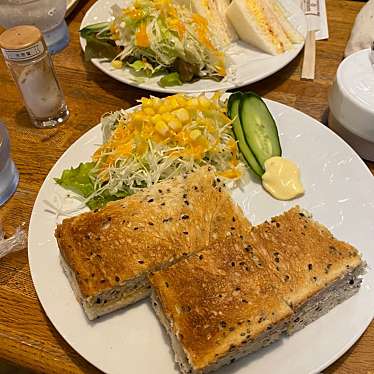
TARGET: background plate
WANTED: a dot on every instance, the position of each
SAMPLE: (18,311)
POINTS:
(339,193)
(249,64)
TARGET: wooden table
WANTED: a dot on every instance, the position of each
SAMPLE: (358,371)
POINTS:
(27,338)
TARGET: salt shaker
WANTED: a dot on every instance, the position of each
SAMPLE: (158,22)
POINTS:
(28,60)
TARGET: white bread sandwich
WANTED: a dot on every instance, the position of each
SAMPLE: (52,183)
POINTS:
(251,288)
(214,11)
(107,255)
(262,23)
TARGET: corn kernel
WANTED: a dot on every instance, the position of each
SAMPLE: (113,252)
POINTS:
(149,111)
(182,114)
(204,102)
(156,118)
(195,134)
(156,103)
(138,116)
(175,124)
(117,64)
(193,103)
(162,128)
(172,103)
(181,100)
(167,117)
(146,102)
(163,108)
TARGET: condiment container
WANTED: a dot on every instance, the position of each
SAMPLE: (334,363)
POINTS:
(28,60)
(46,15)
(8,173)
(351,103)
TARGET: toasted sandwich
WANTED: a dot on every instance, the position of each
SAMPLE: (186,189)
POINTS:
(107,255)
(262,23)
(251,288)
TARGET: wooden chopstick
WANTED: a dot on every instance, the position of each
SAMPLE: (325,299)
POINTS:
(309,63)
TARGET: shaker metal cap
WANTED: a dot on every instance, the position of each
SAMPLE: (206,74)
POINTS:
(22,43)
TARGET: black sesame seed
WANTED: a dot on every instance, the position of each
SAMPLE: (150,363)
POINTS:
(286,278)
(201,257)
(351,282)
(162,204)
(151,200)
(150,223)
(276,259)
(233,263)
(117,278)
(141,262)
(184,196)
(167,284)
(310,267)
(185,232)
(233,219)
(185,216)
(244,301)
(186,202)
(277,224)
(98,301)
(136,228)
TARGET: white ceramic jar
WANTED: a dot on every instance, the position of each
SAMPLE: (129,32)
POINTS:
(351,103)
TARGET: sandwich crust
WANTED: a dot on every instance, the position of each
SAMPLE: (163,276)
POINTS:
(251,286)
(231,298)
(152,229)
(303,254)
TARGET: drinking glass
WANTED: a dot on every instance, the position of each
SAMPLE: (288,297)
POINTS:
(9,176)
(47,15)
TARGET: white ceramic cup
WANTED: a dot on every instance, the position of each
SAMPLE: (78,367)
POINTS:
(351,102)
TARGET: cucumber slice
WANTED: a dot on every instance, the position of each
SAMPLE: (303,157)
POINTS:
(260,130)
(233,113)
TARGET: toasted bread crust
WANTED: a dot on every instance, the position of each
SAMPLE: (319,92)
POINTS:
(263,274)
(230,298)
(145,231)
(303,254)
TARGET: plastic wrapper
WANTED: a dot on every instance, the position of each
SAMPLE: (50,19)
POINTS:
(13,243)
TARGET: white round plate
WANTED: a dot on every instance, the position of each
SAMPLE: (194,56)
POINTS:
(249,65)
(339,193)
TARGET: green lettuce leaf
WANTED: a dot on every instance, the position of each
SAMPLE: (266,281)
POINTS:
(97,48)
(146,67)
(172,79)
(78,179)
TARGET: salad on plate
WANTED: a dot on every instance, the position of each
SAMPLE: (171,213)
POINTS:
(154,37)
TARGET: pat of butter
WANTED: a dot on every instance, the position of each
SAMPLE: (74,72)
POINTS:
(282,178)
